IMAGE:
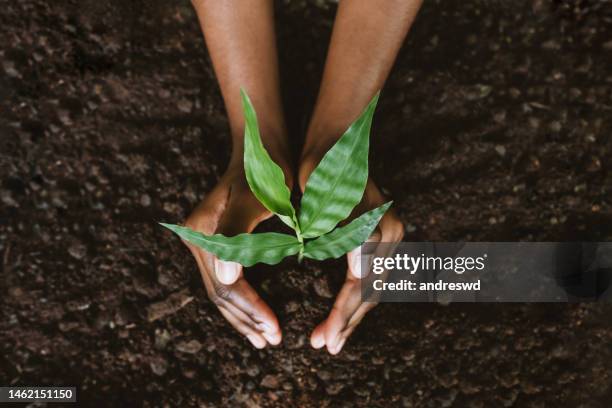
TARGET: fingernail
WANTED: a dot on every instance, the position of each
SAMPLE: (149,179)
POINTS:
(339,346)
(332,344)
(356,267)
(257,341)
(273,338)
(227,272)
(317,342)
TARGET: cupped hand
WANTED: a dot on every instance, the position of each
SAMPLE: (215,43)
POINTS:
(231,209)
(349,307)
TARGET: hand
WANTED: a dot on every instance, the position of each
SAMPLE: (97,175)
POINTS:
(232,209)
(349,309)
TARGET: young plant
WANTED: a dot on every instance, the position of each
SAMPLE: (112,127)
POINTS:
(332,191)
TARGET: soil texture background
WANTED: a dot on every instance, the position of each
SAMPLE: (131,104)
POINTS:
(496,124)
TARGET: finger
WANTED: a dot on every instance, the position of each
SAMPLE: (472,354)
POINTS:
(242,300)
(351,325)
(253,336)
(317,338)
(346,304)
(246,299)
(223,294)
(227,272)
(242,214)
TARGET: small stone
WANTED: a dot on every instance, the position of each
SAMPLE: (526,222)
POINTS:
(145,200)
(534,123)
(162,338)
(334,389)
(189,373)
(501,150)
(270,381)
(324,375)
(580,187)
(159,366)
(321,287)
(64,117)
(77,251)
(184,105)
(7,199)
(555,126)
(253,370)
(292,306)
(189,347)
(515,93)
(9,69)
(500,117)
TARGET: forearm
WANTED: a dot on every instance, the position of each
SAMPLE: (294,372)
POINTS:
(366,38)
(242,45)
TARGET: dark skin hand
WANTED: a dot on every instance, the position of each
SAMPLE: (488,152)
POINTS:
(366,38)
(241,42)
(242,45)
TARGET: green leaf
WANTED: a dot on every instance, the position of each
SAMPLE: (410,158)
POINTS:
(345,239)
(337,184)
(246,249)
(266,179)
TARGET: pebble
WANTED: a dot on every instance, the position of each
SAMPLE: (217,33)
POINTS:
(145,200)
(9,69)
(159,366)
(334,389)
(7,199)
(189,347)
(253,370)
(321,287)
(184,105)
(77,251)
(501,150)
(270,381)
(555,126)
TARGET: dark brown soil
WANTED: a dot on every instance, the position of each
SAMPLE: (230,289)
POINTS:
(496,124)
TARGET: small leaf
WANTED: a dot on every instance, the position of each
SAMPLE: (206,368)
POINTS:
(246,249)
(345,239)
(337,184)
(266,179)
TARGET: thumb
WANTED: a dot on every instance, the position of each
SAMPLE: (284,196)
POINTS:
(242,214)
(227,272)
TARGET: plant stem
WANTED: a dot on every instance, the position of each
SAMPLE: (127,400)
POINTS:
(298,234)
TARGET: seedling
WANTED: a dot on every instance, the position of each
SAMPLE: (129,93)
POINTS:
(332,191)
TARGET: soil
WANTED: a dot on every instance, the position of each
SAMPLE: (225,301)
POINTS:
(494,125)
